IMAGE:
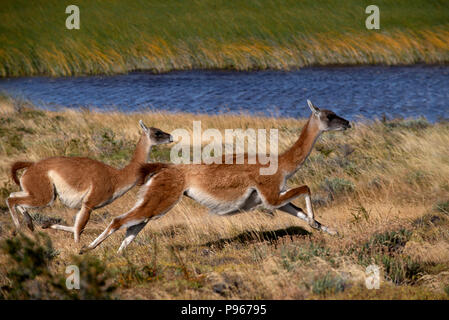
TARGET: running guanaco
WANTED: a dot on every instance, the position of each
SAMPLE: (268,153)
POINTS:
(79,182)
(227,188)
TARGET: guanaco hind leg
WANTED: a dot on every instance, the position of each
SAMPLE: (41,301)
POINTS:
(135,220)
(81,219)
(290,208)
(131,234)
(32,196)
(12,210)
(13,213)
(159,195)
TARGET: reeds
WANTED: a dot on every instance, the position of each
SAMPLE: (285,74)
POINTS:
(117,37)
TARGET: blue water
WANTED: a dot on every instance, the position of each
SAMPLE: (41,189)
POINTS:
(370,91)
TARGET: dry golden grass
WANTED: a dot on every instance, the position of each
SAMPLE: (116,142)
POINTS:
(382,177)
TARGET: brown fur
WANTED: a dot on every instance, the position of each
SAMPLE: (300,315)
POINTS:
(228,188)
(79,182)
(148,169)
(17,166)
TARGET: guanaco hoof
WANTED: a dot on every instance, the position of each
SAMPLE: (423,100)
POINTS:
(46,224)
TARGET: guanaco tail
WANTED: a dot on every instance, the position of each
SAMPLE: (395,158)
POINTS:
(80,183)
(228,188)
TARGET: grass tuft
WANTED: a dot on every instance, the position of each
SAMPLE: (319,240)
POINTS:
(328,284)
(443,207)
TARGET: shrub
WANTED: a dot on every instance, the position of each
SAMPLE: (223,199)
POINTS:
(399,269)
(5,191)
(112,149)
(389,241)
(95,282)
(76,147)
(385,249)
(328,284)
(11,140)
(160,153)
(413,124)
(446,289)
(337,186)
(30,276)
(292,254)
(42,219)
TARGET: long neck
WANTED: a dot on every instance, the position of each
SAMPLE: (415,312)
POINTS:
(128,175)
(291,160)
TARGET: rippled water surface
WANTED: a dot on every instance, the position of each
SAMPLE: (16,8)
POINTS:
(349,91)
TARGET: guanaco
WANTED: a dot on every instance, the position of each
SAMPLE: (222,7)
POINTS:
(227,188)
(79,182)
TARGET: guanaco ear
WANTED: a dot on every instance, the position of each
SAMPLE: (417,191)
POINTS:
(143,126)
(314,109)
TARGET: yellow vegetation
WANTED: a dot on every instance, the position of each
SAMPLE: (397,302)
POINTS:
(381,178)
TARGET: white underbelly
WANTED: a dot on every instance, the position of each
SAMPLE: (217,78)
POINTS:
(68,195)
(221,207)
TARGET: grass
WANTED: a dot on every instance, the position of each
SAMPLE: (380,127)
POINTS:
(328,284)
(241,35)
(394,215)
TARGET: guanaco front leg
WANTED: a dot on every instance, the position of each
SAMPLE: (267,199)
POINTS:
(80,222)
(277,200)
(290,208)
(133,218)
(283,203)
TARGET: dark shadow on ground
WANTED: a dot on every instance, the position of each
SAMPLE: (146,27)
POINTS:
(259,236)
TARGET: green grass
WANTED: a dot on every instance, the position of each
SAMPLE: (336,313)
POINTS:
(118,36)
(328,284)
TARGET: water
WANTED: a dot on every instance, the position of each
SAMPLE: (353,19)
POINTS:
(349,91)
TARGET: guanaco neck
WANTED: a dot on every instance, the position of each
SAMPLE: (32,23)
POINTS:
(293,158)
(129,174)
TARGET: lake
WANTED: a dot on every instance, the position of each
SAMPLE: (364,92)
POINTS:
(368,91)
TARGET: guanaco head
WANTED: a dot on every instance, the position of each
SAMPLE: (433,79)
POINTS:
(327,119)
(155,135)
